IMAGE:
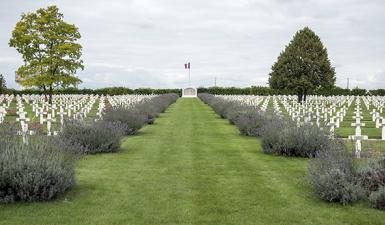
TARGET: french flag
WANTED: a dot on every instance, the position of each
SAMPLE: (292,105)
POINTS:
(187,66)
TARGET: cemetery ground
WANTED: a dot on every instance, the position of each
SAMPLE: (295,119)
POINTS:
(34,120)
(190,167)
(346,128)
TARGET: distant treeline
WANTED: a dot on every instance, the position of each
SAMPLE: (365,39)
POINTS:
(269,91)
(211,90)
(100,91)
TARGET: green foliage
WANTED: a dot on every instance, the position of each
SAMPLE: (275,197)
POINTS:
(3,85)
(101,91)
(331,91)
(303,66)
(253,90)
(49,49)
(113,91)
(378,92)
(358,92)
(139,91)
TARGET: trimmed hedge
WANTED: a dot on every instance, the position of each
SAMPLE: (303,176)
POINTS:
(335,91)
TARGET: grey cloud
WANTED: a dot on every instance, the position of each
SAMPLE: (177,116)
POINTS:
(145,42)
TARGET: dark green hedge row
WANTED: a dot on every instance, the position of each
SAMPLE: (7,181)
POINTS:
(210,90)
(268,91)
(101,91)
(242,91)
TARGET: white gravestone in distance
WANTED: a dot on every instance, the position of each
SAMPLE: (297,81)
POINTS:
(189,92)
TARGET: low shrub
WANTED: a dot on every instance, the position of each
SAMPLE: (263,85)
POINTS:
(232,110)
(149,110)
(222,107)
(162,102)
(284,137)
(377,198)
(132,118)
(372,174)
(141,113)
(250,122)
(206,98)
(94,137)
(332,175)
(39,171)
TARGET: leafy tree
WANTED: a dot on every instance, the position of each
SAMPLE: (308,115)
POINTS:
(303,66)
(3,85)
(50,52)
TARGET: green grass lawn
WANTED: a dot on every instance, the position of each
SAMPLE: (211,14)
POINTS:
(190,167)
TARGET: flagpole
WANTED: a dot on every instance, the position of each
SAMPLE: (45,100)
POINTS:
(189,77)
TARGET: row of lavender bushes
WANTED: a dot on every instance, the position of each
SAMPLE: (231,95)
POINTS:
(44,168)
(333,172)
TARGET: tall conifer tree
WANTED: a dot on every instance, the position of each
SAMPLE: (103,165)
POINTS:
(303,66)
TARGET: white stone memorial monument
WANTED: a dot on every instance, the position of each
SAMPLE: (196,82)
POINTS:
(189,92)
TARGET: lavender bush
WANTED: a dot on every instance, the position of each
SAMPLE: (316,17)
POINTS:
(95,137)
(332,175)
(39,171)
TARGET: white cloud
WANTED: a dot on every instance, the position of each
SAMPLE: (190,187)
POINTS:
(145,42)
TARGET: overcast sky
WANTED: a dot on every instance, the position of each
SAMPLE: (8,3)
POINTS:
(145,43)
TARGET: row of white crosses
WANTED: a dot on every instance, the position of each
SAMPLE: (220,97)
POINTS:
(3,113)
(251,100)
(127,101)
(5,101)
(378,105)
(63,106)
(358,137)
(329,111)
(336,117)
(46,113)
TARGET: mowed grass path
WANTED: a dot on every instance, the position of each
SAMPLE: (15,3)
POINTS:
(190,167)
